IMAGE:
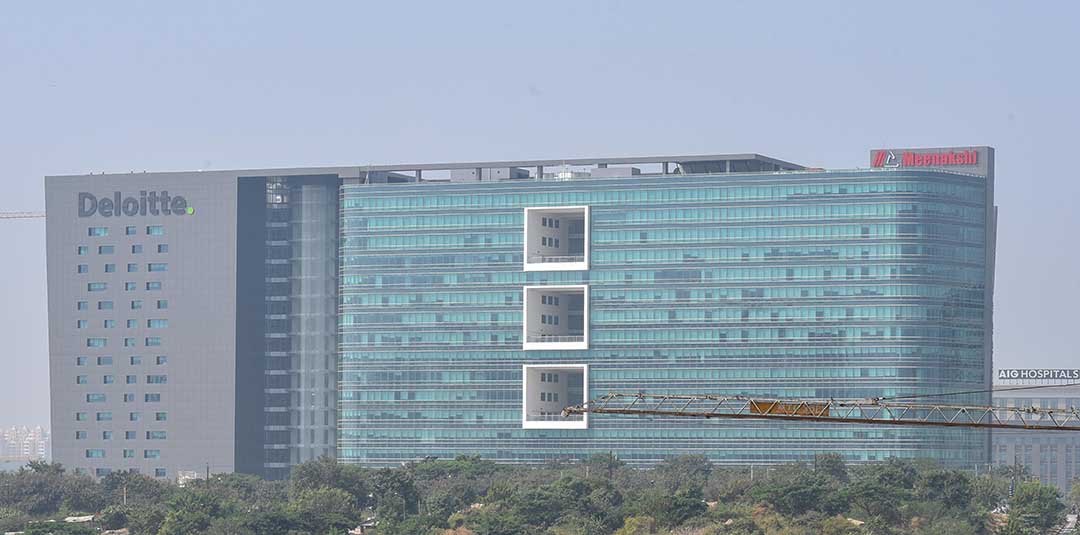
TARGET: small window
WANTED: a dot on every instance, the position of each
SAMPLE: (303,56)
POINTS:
(81,416)
(110,268)
(157,323)
(95,454)
(81,380)
(82,250)
(132,324)
(80,435)
(82,268)
(129,398)
(162,359)
(153,285)
(96,342)
(153,341)
(98,231)
(136,249)
(108,324)
(129,454)
(156,379)
(80,361)
(82,305)
(97,286)
(106,435)
(104,361)
(104,416)
(102,472)
(159,472)
(163,248)
(95,398)
(151,454)
(104,305)
(130,435)
(156,435)
(136,304)
(134,416)
(81,324)
(135,361)
(130,286)
(131,379)
(152,398)
(130,231)
(162,304)
(157,267)
(108,379)
(161,416)
(155,230)
(130,342)
(133,268)
(105,249)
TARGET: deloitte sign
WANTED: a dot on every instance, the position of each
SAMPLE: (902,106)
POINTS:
(147,203)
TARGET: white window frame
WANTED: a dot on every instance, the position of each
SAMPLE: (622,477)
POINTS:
(569,424)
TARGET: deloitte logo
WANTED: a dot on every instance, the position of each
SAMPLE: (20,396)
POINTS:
(152,203)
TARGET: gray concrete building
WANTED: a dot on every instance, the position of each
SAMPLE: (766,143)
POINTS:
(1053,457)
(191,321)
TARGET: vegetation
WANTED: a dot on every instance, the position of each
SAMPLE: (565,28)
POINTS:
(602,496)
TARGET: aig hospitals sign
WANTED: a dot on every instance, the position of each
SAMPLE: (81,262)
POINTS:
(1040,373)
(974,160)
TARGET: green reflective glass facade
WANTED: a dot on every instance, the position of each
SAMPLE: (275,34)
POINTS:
(838,284)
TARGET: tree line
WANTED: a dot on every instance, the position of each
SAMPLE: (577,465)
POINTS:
(600,496)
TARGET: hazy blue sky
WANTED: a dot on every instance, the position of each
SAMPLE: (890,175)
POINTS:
(120,86)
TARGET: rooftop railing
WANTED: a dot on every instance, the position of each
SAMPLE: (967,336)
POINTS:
(555,338)
(544,259)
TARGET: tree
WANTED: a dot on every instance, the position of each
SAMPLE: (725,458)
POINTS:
(35,490)
(12,520)
(58,528)
(325,509)
(326,472)
(831,465)
(638,525)
(395,492)
(797,490)
(579,525)
(668,510)
(83,494)
(684,471)
(1034,507)
(145,519)
(875,499)
(603,465)
(191,512)
(133,488)
(949,488)
(1074,494)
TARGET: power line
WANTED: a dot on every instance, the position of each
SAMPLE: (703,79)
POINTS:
(984,391)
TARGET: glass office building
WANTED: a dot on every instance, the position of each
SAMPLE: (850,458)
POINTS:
(249,320)
(474,308)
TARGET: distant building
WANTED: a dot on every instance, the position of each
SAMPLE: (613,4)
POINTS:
(1051,456)
(21,444)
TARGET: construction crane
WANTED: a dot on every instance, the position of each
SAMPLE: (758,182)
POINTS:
(878,411)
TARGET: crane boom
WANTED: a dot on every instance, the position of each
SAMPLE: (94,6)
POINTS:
(860,411)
